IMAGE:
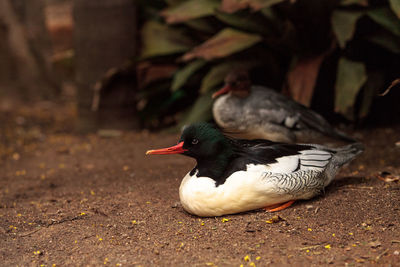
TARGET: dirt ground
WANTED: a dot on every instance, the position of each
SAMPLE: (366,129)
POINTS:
(70,200)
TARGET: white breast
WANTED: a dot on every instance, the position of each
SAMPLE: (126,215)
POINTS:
(242,191)
(290,177)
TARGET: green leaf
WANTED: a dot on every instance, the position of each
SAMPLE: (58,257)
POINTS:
(386,18)
(182,75)
(159,39)
(202,25)
(231,6)
(386,40)
(218,73)
(395,6)
(188,10)
(344,25)
(351,76)
(224,43)
(174,2)
(215,77)
(200,112)
(243,21)
(354,2)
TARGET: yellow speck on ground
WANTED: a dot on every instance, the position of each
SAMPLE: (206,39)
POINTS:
(333,235)
(16,156)
(258,258)
(209,263)
(134,222)
(252,264)
(327,246)
(19,215)
(21,172)
(274,219)
(246,258)
(202,224)
(100,239)
(354,245)
(309,229)
(148,202)
(224,220)
(92,192)
(350,233)
(307,250)
(82,213)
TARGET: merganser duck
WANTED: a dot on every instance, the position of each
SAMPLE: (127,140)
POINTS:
(261,112)
(236,175)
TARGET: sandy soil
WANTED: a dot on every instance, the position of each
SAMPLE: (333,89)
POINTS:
(89,201)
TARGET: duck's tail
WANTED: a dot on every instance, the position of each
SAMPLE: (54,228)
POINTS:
(345,154)
(342,156)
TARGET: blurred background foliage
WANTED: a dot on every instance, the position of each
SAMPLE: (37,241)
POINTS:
(132,64)
(332,55)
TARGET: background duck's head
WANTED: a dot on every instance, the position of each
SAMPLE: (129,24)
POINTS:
(237,83)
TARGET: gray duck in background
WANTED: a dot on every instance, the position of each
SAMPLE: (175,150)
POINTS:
(260,112)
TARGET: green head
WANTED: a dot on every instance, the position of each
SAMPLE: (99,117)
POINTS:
(202,141)
(198,140)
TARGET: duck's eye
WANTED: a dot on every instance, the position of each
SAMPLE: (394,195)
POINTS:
(194,141)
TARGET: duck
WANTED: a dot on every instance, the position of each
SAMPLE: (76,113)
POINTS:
(238,175)
(254,111)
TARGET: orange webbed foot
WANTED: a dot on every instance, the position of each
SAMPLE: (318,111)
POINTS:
(280,206)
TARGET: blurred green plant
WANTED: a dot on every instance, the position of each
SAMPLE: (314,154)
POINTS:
(284,44)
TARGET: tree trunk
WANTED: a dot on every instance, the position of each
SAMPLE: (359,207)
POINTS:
(7,64)
(105,37)
(29,44)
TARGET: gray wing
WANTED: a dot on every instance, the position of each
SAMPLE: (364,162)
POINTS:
(277,109)
(306,160)
(302,175)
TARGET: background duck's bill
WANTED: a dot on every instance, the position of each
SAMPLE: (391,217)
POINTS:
(222,91)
